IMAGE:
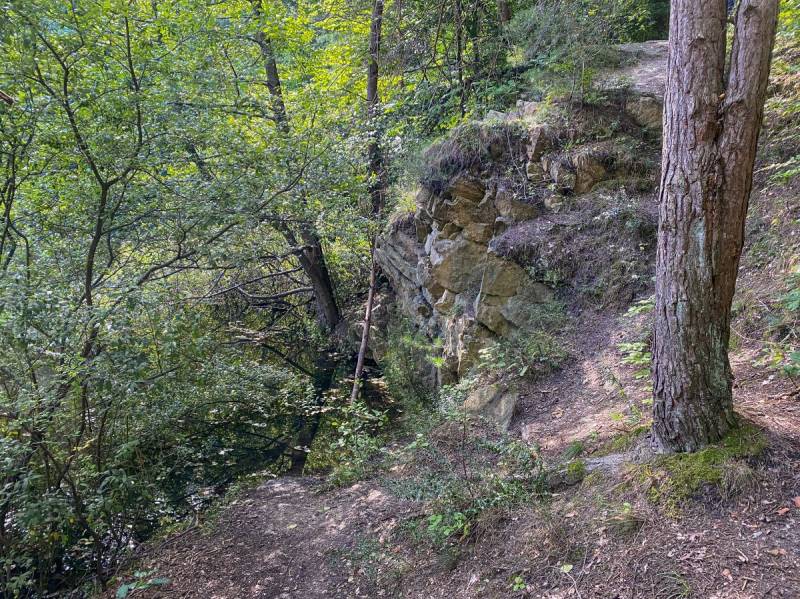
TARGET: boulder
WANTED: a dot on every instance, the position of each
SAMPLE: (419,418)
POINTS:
(456,264)
(512,209)
(539,142)
(495,402)
(491,316)
(589,170)
(501,277)
(466,202)
(479,232)
(467,187)
(450,231)
(517,309)
(647,111)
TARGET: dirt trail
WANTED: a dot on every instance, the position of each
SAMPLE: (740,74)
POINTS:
(285,539)
(644,69)
(292,538)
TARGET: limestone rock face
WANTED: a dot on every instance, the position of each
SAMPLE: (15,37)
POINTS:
(450,282)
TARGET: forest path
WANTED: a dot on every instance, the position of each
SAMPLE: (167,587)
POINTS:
(288,538)
(643,70)
(297,538)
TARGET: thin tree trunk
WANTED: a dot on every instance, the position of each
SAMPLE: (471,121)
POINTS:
(503,11)
(458,22)
(362,351)
(711,129)
(273,81)
(311,255)
(377,178)
(376,171)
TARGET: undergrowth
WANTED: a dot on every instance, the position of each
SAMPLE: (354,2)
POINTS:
(467,475)
(671,480)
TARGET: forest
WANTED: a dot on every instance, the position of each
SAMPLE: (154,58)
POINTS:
(389,298)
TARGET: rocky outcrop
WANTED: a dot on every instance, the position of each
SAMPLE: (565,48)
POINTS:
(459,266)
(447,276)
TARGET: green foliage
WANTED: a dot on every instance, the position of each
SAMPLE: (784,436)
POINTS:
(637,354)
(625,440)
(567,42)
(530,355)
(645,306)
(462,503)
(782,351)
(675,478)
(350,444)
(144,263)
(142,581)
(408,364)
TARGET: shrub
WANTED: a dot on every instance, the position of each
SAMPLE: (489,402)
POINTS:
(472,148)
(570,40)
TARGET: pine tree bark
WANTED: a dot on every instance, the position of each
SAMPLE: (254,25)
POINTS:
(711,129)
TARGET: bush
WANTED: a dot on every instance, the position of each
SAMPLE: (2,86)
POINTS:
(472,148)
(571,39)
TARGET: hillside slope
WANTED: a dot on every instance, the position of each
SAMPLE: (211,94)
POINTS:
(569,502)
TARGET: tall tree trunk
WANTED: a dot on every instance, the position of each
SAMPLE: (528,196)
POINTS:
(503,11)
(377,178)
(458,24)
(311,254)
(711,129)
(376,171)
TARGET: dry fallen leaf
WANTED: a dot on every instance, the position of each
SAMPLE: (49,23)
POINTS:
(777,551)
(797,502)
(727,574)
(783,511)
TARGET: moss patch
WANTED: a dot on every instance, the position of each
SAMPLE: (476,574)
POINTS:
(623,441)
(673,479)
